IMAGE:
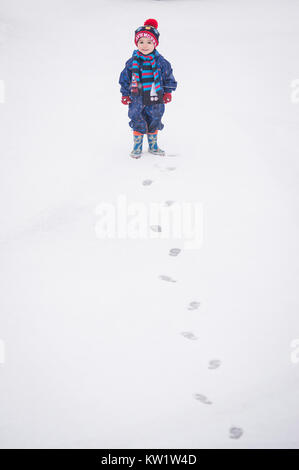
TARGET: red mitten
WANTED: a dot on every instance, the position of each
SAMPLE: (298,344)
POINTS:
(167,97)
(126,100)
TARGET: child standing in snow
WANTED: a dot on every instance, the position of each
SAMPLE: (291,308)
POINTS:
(146,85)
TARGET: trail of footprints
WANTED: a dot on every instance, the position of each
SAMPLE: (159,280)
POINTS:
(234,432)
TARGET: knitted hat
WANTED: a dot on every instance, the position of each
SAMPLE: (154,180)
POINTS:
(148,30)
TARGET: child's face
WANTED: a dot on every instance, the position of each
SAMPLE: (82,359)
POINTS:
(145,45)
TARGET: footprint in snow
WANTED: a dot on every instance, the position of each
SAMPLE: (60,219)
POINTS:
(193,305)
(214,364)
(168,203)
(165,169)
(189,335)
(202,399)
(147,182)
(174,251)
(166,278)
(235,433)
(156,228)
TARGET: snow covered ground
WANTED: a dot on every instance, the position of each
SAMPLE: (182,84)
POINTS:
(97,350)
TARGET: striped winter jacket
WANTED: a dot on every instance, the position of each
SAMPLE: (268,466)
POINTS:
(168,84)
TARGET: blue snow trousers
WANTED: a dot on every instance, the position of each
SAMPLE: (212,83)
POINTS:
(145,118)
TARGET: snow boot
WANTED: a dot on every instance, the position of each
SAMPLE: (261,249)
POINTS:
(153,145)
(138,141)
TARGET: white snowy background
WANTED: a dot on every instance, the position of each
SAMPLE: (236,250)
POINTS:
(93,354)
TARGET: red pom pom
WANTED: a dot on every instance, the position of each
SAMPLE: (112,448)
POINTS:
(151,22)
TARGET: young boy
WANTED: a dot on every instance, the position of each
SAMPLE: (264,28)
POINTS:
(146,85)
